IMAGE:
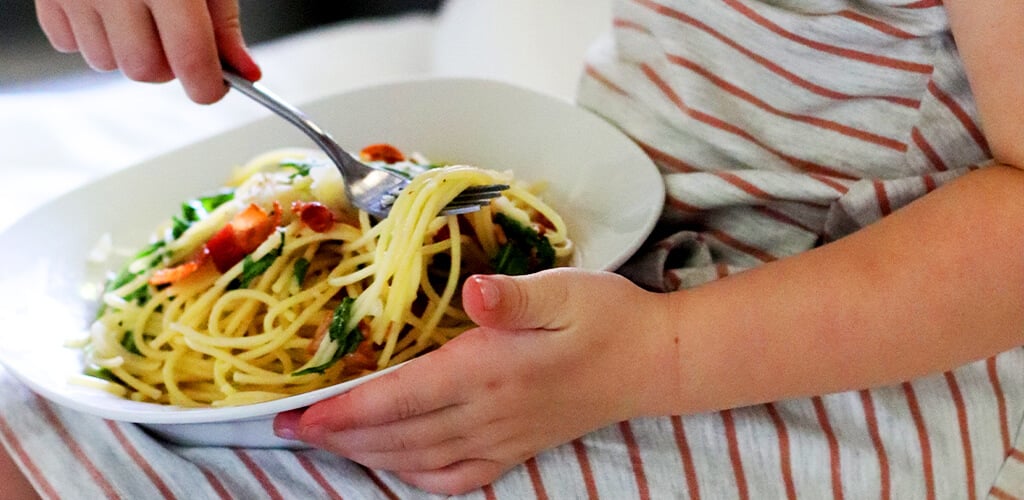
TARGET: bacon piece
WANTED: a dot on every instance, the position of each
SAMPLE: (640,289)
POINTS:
(177,273)
(364,358)
(318,336)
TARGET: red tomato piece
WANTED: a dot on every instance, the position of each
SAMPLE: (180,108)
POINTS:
(253,225)
(315,215)
(382,152)
(224,249)
(242,235)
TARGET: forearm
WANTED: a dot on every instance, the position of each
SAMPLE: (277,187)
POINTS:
(935,285)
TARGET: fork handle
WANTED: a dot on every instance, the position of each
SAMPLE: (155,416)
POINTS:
(272,102)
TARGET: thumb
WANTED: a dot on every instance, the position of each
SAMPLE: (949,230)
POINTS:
(227,29)
(535,301)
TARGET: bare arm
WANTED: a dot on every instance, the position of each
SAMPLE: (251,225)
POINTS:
(933,286)
(991,43)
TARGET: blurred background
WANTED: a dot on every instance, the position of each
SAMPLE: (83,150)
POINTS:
(27,61)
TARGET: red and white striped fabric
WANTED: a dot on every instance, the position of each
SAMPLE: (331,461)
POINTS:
(784,124)
(779,125)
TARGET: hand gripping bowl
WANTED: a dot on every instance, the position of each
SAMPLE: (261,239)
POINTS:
(608,191)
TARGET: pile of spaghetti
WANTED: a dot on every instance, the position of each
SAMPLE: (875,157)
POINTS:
(274,286)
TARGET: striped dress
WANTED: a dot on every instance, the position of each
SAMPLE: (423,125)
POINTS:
(779,125)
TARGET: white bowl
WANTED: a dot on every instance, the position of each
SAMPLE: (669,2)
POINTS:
(608,191)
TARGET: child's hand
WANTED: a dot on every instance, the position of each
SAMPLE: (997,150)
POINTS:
(154,40)
(557,354)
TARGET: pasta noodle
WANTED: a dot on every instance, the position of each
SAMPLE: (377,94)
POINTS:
(274,286)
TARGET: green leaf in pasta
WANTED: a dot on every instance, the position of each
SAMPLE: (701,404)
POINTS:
(345,340)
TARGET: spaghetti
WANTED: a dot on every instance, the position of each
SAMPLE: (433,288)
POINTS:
(274,286)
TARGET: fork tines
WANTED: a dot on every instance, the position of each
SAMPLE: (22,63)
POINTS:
(477,195)
(472,197)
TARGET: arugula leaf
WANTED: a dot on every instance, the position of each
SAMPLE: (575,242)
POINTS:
(140,295)
(511,260)
(197,209)
(350,339)
(252,269)
(121,279)
(301,268)
(179,226)
(103,373)
(301,168)
(125,276)
(128,342)
(526,251)
(384,166)
(213,201)
(117,281)
(150,249)
(347,340)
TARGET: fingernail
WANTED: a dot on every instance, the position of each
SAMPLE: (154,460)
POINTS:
(286,433)
(286,425)
(489,292)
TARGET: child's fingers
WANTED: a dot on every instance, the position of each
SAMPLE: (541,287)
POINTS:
(91,37)
(56,26)
(428,441)
(535,302)
(154,41)
(438,456)
(227,30)
(414,389)
(286,424)
(186,33)
(444,426)
(457,478)
(136,44)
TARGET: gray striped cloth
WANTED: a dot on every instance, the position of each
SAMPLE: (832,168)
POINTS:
(779,125)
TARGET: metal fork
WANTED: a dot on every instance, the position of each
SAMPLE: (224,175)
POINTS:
(370,189)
